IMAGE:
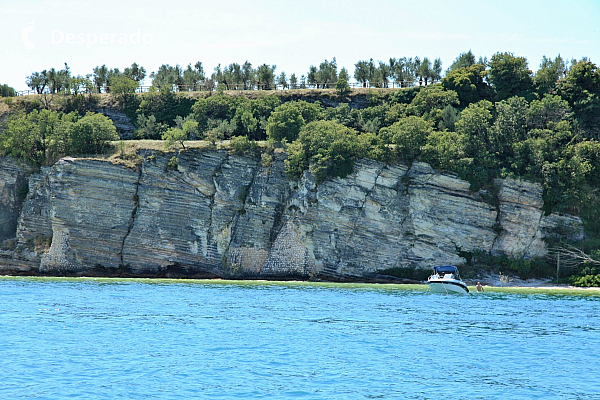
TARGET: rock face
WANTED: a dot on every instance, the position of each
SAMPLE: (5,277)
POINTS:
(122,122)
(221,215)
(12,193)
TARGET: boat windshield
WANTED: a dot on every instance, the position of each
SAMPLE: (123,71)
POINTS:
(445,269)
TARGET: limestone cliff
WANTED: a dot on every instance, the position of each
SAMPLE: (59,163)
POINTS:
(222,215)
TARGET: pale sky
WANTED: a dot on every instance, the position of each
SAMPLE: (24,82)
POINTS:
(37,35)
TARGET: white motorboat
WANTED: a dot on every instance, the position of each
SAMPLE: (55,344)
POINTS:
(446,279)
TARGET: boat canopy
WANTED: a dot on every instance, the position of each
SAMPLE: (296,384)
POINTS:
(445,269)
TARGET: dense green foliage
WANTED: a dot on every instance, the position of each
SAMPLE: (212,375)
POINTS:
(101,79)
(285,123)
(581,89)
(397,72)
(469,84)
(164,105)
(7,91)
(327,147)
(42,137)
(510,76)
(184,129)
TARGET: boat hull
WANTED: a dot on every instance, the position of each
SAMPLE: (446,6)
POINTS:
(448,287)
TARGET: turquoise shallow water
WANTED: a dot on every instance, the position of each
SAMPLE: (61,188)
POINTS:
(143,339)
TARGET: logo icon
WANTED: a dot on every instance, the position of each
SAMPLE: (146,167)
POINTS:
(25,31)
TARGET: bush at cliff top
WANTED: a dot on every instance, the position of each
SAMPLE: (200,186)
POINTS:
(164,105)
(409,135)
(285,123)
(42,137)
(92,134)
(286,120)
(327,147)
(241,145)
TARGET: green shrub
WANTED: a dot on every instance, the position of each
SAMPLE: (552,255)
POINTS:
(129,103)
(409,135)
(92,134)
(241,144)
(285,123)
(79,103)
(23,191)
(402,96)
(165,106)
(522,267)
(342,89)
(172,165)
(327,147)
(148,128)
(296,162)
(266,160)
(586,281)
(220,107)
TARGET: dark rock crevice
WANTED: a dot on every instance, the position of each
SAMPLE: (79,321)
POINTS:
(243,198)
(209,234)
(13,190)
(132,218)
(280,207)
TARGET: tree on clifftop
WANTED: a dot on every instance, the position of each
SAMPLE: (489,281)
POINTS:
(469,83)
(265,77)
(464,60)
(549,73)
(581,89)
(38,81)
(100,77)
(167,76)
(193,77)
(135,72)
(7,91)
(510,76)
(362,72)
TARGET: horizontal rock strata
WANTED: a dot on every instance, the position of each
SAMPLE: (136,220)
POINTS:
(222,215)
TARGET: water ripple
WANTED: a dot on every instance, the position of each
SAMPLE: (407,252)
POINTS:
(170,340)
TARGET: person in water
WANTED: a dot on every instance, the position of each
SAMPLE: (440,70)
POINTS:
(479,287)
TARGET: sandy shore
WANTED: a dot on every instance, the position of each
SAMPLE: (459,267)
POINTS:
(493,280)
(497,281)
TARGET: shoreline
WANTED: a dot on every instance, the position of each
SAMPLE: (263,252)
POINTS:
(556,288)
(508,288)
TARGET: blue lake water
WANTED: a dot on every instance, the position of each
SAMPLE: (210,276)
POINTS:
(144,339)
